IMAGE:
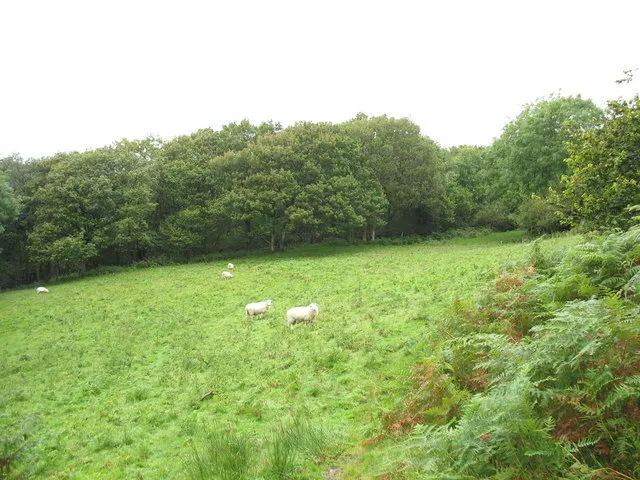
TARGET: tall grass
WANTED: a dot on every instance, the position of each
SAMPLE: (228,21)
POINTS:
(225,455)
(291,444)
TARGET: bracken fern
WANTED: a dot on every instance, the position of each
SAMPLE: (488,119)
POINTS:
(560,400)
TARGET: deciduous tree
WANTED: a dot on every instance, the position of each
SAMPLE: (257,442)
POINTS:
(605,163)
(531,151)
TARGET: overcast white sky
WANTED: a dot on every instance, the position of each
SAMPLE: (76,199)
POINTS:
(77,75)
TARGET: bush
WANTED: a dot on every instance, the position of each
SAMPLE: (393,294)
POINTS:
(405,240)
(496,217)
(72,252)
(536,216)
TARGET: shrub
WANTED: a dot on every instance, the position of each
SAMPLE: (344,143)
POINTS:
(605,174)
(536,216)
(496,217)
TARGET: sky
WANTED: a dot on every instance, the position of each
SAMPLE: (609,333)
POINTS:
(79,75)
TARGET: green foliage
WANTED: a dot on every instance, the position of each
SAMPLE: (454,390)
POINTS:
(256,187)
(184,230)
(71,251)
(584,360)
(289,444)
(499,436)
(24,178)
(532,148)
(606,265)
(96,202)
(538,217)
(527,159)
(476,171)
(551,358)
(410,169)
(605,163)
(244,187)
(8,203)
(229,455)
(496,216)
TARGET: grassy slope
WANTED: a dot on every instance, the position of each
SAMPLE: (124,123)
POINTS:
(111,369)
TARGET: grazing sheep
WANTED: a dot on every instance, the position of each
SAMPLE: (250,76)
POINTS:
(226,275)
(42,290)
(231,266)
(301,314)
(257,308)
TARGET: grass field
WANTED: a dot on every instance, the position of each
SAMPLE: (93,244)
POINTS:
(103,377)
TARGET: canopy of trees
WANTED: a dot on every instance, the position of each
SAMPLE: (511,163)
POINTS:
(605,169)
(247,187)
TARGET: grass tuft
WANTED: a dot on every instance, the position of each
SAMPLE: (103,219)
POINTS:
(225,455)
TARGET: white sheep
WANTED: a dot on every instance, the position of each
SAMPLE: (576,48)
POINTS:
(226,275)
(257,308)
(301,314)
(231,266)
(42,290)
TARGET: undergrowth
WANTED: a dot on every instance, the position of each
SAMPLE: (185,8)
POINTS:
(537,377)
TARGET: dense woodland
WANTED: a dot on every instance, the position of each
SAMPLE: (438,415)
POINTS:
(563,162)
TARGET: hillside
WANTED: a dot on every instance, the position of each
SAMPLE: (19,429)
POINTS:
(103,376)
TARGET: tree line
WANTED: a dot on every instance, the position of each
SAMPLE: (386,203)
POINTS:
(562,162)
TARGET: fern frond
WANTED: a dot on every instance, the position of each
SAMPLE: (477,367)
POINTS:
(623,392)
(584,443)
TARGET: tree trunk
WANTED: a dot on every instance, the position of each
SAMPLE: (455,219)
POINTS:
(273,241)
(282,240)
(364,234)
(373,233)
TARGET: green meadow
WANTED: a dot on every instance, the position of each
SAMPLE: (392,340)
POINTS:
(104,376)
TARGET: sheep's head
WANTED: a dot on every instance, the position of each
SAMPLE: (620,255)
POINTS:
(314,307)
(268,302)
